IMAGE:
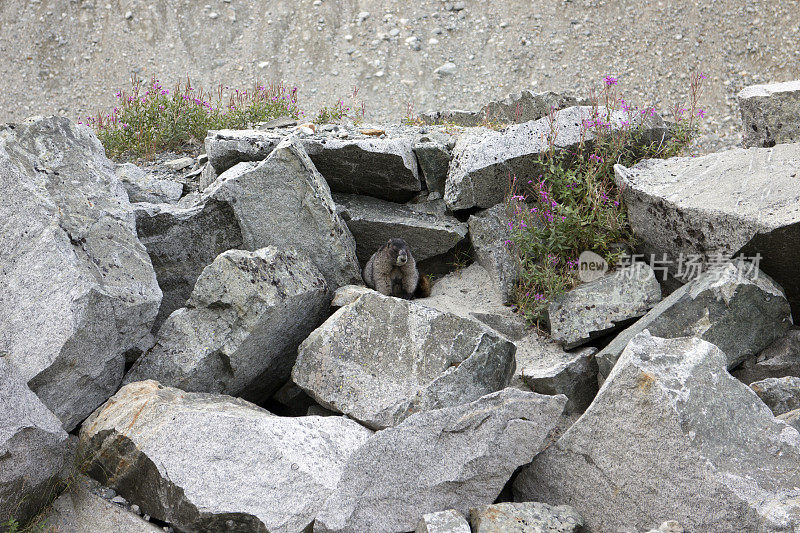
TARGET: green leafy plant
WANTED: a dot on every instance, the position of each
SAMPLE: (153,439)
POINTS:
(355,111)
(573,204)
(150,118)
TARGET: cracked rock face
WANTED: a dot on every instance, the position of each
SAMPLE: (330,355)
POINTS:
(207,462)
(381,359)
(488,233)
(671,433)
(453,458)
(240,330)
(770,114)
(740,310)
(780,394)
(79,289)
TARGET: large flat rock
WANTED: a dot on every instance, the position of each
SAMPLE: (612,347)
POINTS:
(689,208)
(381,359)
(672,434)
(739,310)
(490,236)
(770,114)
(453,458)
(239,333)
(373,222)
(79,289)
(33,448)
(208,462)
(779,359)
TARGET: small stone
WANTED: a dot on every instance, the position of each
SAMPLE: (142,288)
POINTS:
(180,163)
(129,15)
(394,32)
(447,69)
(362,16)
(213,15)
(119,500)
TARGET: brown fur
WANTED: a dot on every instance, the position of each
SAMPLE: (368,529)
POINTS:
(392,271)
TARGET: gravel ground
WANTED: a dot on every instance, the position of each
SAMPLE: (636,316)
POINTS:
(70,56)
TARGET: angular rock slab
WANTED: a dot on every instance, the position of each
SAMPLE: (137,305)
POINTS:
(779,359)
(672,434)
(384,168)
(780,394)
(79,510)
(449,521)
(485,161)
(739,200)
(792,418)
(601,306)
(381,359)
(525,517)
(544,367)
(725,306)
(144,187)
(434,161)
(284,202)
(490,236)
(33,448)
(770,114)
(373,222)
(208,462)
(79,289)
(454,458)
(181,242)
(239,333)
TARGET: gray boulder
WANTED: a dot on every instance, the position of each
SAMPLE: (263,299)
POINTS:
(380,359)
(382,167)
(239,333)
(779,359)
(449,521)
(181,242)
(434,161)
(601,306)
(780,394)
(33,448)
(350,293)
(544,367)
(525,517)
(688,209)
(144,187)
(485,161)
(770,114)
(284,202)
(792,418)
(453,458)
(205,462)
(79,289)
(471,293)
(80,510)
(671,433)
(490,236)
(373,222)
(740,312)
(525,106)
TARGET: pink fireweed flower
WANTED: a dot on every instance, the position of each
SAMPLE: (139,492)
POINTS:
(701,113)
(518,197)
(595,157)
(610,80)
(538,296)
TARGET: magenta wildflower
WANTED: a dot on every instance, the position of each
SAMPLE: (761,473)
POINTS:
(610,80)
(701,113)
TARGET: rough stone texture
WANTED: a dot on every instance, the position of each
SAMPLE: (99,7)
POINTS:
(144,187)
(349,294)
(78,287)
(770,114)
(454,458)
(780,394)
(724,306)
(596,308)
(723,203)
(488,233)
(207,176)
(373,222)
(381,359)
(526,517)
(434,161)
(544,367)
(515,108)
(205,462)
(284,202)
(471,293)
(79,510)
(382,167)
(33,448)
(239,333)
(485,161)
(449,521)
(779,359)
(792,418)
(181,242)
(672,434)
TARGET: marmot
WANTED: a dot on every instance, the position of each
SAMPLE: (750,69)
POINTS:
(392,271)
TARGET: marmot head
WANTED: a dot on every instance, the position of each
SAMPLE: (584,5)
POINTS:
(398,251)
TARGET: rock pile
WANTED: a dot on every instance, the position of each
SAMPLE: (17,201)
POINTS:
(264,388)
